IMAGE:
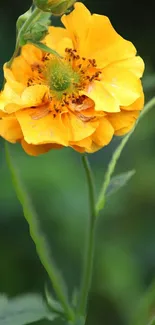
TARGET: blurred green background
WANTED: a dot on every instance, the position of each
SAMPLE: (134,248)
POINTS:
(125,240)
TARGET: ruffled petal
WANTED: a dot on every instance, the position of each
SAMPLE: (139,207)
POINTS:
(10,129)
(35,150)
(103,99)
(32,96)
(48,129)
(21,70)
(121,84)
(35,95)
(134,65)
(9,96)
(104,132)
(31,54)
(76,128)
(82,145)
(55,36)
(104,44)
(136,106)
(78,148)
(17,87)
(62,45)
(100,138)
(123,122)
(77,25)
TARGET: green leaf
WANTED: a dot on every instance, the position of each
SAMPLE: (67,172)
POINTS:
(38,237)
(23,310)
(119,181)
(45,48)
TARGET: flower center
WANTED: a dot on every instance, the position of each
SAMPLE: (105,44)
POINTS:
(86,68)
(60,76)
(66,78)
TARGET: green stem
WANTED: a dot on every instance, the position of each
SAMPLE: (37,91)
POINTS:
(38,237)
(147,107)
(109,172)
(101,198)
(88,268)
(31,20)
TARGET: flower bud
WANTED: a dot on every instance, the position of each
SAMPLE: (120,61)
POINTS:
(55,7)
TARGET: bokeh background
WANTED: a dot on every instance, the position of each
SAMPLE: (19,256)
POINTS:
(125,241)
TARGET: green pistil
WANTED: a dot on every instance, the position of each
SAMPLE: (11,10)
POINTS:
(61,77)
(59,81)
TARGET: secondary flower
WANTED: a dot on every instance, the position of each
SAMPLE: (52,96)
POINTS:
(80,99)
(56,7)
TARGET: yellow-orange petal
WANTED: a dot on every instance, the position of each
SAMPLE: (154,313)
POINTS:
(35,150)
(63,44)
(100,138)
(35,95)
(77,25)
(31,54)
(2,114)
(83,144)
(123,122)
(21,70)
(13,83)
(136,106)
(103,99)
(134,65)
(78,149)
(104,44)
(122,84)
(48,129)
(76,128)
(104,132)
(10,129)
(8,95)
(55,36)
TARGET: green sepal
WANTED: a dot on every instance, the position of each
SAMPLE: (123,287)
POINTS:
(56,8)
(36,33)
(37,30)
(22,19)
(45,48)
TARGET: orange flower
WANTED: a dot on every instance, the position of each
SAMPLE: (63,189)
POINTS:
(80,99)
